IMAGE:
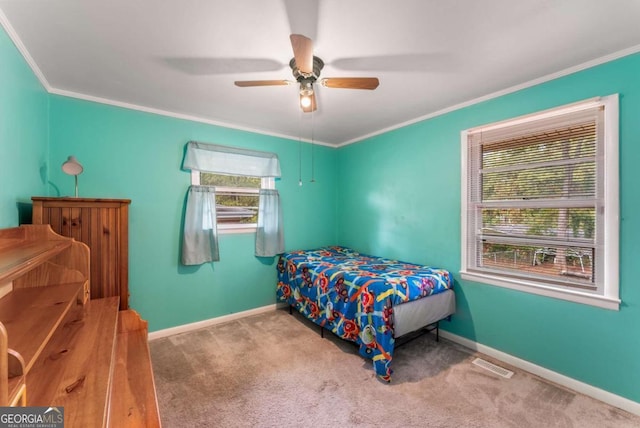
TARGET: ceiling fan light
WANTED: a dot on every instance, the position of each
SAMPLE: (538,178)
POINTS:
(306,92)
(305,101)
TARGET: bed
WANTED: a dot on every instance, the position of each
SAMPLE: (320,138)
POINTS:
(369,300)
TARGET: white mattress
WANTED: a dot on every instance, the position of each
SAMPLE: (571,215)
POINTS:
(414,315)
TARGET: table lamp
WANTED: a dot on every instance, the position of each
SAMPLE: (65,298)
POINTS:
(72,167)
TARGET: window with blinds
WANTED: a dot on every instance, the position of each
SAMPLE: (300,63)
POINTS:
(538,197)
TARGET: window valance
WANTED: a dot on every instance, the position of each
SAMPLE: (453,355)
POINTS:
(219,159)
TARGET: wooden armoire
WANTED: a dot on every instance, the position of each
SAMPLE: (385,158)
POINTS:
(102,224)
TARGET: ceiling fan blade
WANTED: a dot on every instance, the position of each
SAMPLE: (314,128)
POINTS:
(206,66)
(351,82)
(303,16)
(302,52)
(418,62)
(312,107)
(249,83)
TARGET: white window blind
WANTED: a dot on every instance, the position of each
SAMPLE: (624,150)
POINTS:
(536,200)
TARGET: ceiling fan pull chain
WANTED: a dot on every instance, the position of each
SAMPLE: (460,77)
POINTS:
(313,175)
(300,148)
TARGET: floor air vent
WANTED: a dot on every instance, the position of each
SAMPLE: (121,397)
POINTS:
(493,368)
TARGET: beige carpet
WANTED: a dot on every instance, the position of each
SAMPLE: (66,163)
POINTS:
(274,370)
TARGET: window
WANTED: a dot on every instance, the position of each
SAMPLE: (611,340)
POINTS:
(540,203)
(236,199)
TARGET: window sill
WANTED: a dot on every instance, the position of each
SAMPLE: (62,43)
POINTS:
(542,290)
(236,230)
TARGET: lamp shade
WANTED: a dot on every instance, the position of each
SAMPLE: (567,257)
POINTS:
(71,166)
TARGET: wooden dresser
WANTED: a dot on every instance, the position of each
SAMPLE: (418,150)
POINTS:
(60,349)
(102,224)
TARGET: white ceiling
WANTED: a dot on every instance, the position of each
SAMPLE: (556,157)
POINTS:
(181,57)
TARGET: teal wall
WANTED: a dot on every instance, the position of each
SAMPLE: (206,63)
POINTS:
(138,156)
(23,135)
(397,195)
(400,197)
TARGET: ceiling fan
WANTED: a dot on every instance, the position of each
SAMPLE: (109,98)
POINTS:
(306,70)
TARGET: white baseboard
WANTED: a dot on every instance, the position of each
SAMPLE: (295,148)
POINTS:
(581,387)
(158,334)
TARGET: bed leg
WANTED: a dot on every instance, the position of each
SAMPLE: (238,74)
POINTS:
(321,332)
(290,310)
(438,331)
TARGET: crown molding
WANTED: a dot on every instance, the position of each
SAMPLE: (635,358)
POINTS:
(36,70)
(549,77)
(191,118)
(13,35)
(4,21)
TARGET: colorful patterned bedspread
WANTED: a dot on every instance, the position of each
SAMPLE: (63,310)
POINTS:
(353,295)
